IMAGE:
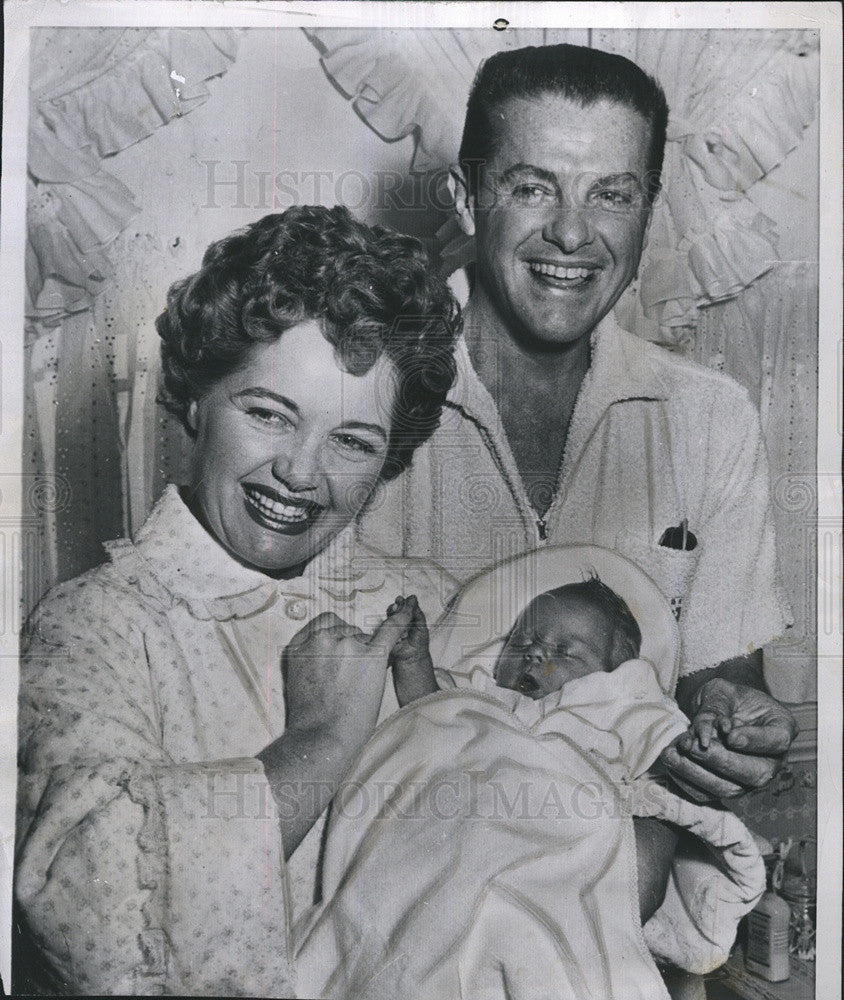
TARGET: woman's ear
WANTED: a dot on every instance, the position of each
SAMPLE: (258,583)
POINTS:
(464,202)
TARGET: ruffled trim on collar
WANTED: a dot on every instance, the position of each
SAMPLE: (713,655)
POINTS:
(174,560)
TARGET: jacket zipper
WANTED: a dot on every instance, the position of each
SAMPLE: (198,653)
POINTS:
(486,437)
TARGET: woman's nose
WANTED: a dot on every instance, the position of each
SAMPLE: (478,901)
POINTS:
(297,465)
(569,227)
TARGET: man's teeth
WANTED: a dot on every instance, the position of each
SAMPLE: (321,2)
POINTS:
(277,510)
(555,271)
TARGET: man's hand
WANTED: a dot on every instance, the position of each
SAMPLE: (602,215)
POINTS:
(736,743)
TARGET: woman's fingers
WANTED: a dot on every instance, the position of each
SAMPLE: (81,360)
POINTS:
(391,629)
(321,623)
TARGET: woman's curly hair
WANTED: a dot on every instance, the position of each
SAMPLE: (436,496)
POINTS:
(374,291)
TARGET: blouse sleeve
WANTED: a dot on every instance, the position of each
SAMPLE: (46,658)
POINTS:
(135,873)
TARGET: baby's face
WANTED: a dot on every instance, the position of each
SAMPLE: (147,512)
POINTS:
(555,639)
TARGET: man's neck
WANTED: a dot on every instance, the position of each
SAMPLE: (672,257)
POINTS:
(506,364)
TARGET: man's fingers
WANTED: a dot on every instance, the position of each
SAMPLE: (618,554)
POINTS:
(725,725)
(391,629)
(771,740)
(696,780)
(742,770)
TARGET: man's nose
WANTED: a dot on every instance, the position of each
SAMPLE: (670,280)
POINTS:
(569,227)
(297,464)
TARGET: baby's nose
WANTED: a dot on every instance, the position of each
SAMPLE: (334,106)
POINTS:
(535,653)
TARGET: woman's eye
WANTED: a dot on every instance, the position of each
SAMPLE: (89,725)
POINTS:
(352,443)
(269,417)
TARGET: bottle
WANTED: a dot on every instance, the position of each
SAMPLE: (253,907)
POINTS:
(767,928)
(799,890)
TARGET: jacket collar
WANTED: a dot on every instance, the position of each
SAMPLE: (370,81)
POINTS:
(622,368)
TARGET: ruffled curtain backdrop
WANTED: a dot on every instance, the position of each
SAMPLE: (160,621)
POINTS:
(716,283)
(90,421)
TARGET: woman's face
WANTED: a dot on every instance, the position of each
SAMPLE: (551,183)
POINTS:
(288,449)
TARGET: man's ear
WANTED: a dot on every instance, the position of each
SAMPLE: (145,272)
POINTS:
(464,201)
(648,220)
(190,416)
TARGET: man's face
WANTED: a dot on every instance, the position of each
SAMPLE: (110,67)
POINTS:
(560,215)
(557,638)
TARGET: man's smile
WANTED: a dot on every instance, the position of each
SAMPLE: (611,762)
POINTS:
(562,275)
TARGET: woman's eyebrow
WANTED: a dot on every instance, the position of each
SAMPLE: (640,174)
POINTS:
(359,425)
(263,393)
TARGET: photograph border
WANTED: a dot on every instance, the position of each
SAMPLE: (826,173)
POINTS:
(22,15)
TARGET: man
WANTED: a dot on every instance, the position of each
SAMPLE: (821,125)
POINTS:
(563,428)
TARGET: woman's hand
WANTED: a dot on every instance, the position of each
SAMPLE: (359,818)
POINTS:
(334,677)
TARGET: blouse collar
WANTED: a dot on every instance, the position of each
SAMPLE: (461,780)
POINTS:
(174,559)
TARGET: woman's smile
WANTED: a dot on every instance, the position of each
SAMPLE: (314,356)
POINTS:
(288,448)
(279,512)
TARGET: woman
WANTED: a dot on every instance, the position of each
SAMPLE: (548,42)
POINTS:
(168,770)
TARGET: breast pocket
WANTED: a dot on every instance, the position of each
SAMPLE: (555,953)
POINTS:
(672,570)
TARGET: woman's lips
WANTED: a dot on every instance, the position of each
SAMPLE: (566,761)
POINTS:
(278,511)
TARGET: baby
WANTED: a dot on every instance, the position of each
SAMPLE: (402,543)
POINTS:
(563,634)
(462,858)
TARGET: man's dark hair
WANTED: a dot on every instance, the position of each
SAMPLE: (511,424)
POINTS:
(576,72)
(373,291)
(627,640)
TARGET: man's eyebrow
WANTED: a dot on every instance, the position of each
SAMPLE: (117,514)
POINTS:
(263,393)
(623,178)
(528,168)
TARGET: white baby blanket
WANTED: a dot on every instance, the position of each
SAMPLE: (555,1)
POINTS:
(483,848)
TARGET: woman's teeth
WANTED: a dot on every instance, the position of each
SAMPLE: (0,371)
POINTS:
(277,510)
(556,271)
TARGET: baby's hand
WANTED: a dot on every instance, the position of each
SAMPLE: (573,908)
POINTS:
(412,645)
(710,725)
(413,669)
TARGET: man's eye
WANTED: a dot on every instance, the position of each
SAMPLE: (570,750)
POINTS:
(610,198)
(531,194)
(352,443)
